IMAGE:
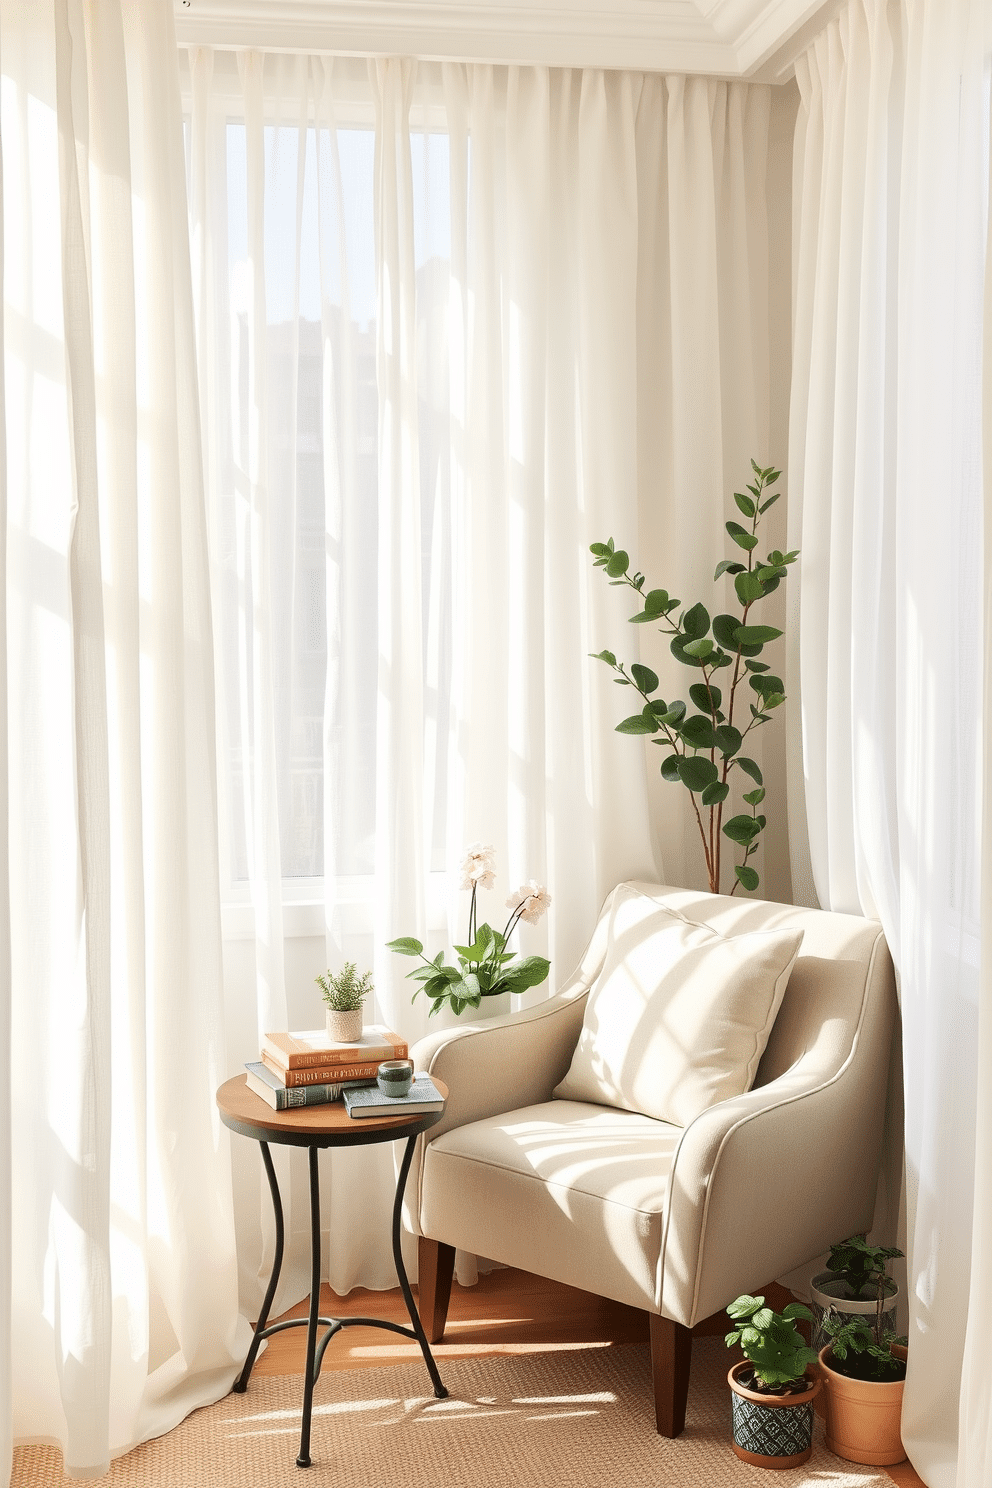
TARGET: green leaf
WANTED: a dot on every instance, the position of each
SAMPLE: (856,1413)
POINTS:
(670,767)
(741,537)
(756,635)
(755,797)
(715,793)
(728,739)
(701,648)
(742,829)
(770,502)
(756,666)
(618,564)
(745,1306)
(727,565)
(745,503)
(794,1310)
(656,602)
(748,878)
(674,715)
(606,656)
(764,684)
(644,677)
(696,771)
(601,550)
(678,649)
(749,588)
(725,628)
(696,622)
(531,971)
(705,697)
(639,723)
(405,946)
(773,699)
(698,732)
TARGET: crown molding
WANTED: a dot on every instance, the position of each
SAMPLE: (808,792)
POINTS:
(725,38)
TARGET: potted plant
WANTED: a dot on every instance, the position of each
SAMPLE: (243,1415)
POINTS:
(774,1385)
(855,1278)
(487,972)
(344,993)
(706,743)
(864,1372)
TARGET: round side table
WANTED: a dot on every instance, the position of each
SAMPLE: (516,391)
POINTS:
(315,1127)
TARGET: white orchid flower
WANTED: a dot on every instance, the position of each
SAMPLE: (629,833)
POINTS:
(532,900)
(478,867)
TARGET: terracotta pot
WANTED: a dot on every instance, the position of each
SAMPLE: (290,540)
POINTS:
(772,1430)
(864,1417)
(826,1290)
(344,1028)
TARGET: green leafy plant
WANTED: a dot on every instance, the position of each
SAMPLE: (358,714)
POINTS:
(345,991)
(704,747)
(485,966)
(772,1344)
(862,1266)
(864,1352)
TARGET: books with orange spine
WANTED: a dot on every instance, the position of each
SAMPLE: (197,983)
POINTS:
(313,1048)
(323,1074)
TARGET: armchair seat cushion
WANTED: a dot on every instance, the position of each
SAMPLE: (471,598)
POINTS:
(566,1189)
(680,1014)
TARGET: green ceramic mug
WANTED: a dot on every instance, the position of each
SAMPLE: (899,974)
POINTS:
(395,1076)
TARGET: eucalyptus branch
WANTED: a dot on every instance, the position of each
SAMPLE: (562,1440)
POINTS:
(705,745)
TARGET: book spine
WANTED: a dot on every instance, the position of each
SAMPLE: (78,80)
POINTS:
(327,1058)
(294,1078)
(306,1095)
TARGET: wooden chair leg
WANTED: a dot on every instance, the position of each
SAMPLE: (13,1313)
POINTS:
(671,1356)
(437,1266)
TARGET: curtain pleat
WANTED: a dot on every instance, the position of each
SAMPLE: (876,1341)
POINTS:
(887,502)
(120,1323)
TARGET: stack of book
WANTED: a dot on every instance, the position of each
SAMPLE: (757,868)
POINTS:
(309,1069)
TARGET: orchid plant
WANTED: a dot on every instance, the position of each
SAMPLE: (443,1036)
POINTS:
(485,966)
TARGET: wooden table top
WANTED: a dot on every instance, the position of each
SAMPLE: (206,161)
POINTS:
(329,1126)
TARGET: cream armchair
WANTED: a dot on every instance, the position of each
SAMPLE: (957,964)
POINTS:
(675,1220)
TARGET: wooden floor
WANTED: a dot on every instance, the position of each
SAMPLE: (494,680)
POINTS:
(507,1312)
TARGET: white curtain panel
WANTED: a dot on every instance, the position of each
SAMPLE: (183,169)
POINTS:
(886,484)
(454,324)
(119,1203)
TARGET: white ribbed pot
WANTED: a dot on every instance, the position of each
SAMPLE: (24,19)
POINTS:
(491,1007)
(828,1291)
(344,1028)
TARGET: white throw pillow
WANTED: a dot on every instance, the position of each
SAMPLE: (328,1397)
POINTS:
(679,1016)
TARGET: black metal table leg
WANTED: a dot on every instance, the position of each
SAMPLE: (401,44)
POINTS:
(303,1460)
(439,1390)
(241,1383)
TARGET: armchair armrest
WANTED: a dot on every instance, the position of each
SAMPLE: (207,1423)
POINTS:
(765,1181)
(495,1067)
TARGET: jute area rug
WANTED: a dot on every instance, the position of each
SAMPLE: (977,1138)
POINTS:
(577,1419)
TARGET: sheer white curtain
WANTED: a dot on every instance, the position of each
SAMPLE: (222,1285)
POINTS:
(118,1205)
(455,323)
(886,481)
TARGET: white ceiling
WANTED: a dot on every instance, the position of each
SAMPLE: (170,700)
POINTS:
(728,38)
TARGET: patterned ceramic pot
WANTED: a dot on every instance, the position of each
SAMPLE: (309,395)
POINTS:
(772,1430)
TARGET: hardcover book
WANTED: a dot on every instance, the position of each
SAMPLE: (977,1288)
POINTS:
(322,1074)
(312,1048)
(281,1097)
(370,1101)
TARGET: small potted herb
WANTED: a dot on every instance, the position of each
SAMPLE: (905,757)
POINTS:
(864,1371)
(855,1278)
(344,993)
(773,1386)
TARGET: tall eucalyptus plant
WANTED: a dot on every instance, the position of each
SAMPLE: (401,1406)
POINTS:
(705,746)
